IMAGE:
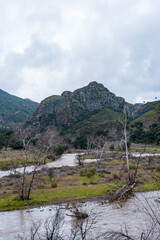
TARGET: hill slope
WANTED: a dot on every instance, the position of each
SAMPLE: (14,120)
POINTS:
(14,110)
(147,114)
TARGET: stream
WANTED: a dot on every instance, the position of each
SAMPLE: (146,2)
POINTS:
(131,216)
(65,160)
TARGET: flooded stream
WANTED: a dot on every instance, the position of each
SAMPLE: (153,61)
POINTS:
(65,160)
(131,216)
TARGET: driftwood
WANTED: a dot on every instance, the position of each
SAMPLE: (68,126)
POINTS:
(123,193)
(76,213)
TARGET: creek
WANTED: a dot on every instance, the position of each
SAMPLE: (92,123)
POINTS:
(130,215)
(65,160)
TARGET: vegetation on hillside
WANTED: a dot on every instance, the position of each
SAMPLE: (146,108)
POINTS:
(14,110)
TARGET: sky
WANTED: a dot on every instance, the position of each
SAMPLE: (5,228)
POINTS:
(47,47)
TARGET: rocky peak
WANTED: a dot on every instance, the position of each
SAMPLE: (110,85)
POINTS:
(66,94)
(61,109)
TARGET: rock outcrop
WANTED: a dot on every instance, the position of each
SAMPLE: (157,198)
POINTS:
(59,110)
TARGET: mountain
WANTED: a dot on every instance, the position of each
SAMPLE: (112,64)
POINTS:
(88,110)
(14,110)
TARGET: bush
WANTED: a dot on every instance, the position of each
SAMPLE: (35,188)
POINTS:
(132,166)
(158,168)
(111,147)
(128,145)
(115,176)
(60,149)
(54,185)
(85,172)
(93,171)
(80,142)
(16,144)
(50,173)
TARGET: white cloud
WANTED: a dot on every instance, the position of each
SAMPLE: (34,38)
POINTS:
(51,46)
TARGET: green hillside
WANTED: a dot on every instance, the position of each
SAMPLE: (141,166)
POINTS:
(146,127)
(14,110)
(147,118)
(99,122)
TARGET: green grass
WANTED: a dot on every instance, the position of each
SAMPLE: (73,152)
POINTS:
(43,196)
(147,186)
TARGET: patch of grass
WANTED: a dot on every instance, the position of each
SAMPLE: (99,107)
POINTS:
(62,192)
(89,156)
(87,172)
(111,163)
(132,166)
(147,186)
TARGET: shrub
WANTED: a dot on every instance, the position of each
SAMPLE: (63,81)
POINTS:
(132,166)
(50,173)
(80,142)
(111,147)
(115,176)
(158,168)
(93,171)
(54,185)
(85,172)
(128,145)
(60,149)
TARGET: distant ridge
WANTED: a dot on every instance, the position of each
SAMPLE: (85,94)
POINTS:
(14,110)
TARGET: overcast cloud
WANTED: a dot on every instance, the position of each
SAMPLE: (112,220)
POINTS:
(47,47)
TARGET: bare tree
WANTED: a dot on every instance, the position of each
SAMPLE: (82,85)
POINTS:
(53,226)
(124,124)
(100,143)
(90,143)
(39,147)
(49,140)
(81,228)
(27,139)
(79,159)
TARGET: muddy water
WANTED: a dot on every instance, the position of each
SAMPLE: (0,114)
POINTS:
(145,154)
(64,160)
(130,216)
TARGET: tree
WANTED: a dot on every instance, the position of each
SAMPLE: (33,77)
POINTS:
(48,144)
(80,142)
(124,124)
(1,141)
(39,146)
(79,159)
(26,146)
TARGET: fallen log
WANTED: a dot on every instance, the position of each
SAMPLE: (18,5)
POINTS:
(76,213)
(123,193)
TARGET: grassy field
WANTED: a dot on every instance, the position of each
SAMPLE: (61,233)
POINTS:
(15,159)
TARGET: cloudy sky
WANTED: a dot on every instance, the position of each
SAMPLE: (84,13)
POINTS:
(48,46)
